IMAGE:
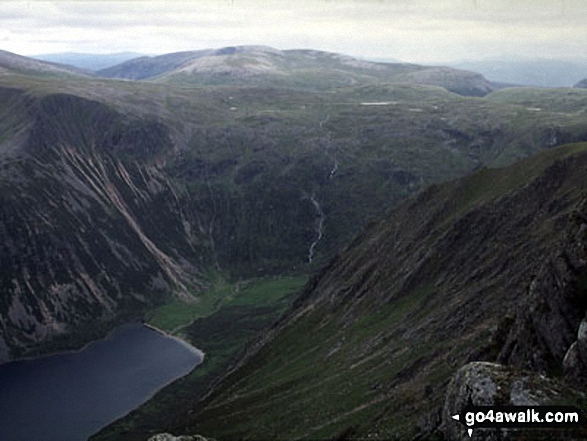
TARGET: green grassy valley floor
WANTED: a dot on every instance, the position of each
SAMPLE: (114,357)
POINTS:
(220,325)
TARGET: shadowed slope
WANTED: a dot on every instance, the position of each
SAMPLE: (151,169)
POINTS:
(371,344)
(89,232)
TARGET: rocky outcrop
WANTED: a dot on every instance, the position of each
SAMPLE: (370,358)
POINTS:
(548,318)
(575,361)
(89,232)
(492,384)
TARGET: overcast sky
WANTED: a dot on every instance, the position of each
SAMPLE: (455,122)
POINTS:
(421,31)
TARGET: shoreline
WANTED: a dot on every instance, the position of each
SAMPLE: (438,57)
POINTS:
(69,351)
(180,340)
(183,342)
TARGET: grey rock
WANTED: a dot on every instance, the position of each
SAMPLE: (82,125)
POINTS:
(4,351)
(575,361)
(582,341)
(492,384)
(520,395)
(547,319)
(572,364)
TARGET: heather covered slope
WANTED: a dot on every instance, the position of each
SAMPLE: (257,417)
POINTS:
(567,100)
(449,277)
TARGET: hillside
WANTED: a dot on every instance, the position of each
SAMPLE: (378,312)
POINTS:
(581,84)
(145,67)
(90,233)
(265,66)
(490,267)
(192,185)
(13,63)
(568,100)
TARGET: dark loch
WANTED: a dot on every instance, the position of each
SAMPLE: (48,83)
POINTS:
(70,396)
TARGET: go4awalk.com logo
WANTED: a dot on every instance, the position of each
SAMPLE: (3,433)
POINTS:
(518,417)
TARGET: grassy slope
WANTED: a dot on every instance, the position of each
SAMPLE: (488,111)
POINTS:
(369,348)
(566,100)
(176,314)
(252,306)
(278,146)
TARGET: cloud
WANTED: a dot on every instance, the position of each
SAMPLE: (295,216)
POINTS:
(413,30)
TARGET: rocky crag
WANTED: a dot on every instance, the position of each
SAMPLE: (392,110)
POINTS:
(91,228)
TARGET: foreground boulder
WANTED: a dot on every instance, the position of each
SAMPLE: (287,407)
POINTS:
(493,384)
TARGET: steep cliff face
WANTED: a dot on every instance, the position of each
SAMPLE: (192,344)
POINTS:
(489,267)
(546,321)
(91,227)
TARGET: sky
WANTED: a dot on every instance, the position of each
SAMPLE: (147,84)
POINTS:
(419,31)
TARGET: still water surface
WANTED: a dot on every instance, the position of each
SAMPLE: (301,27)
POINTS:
(68,397)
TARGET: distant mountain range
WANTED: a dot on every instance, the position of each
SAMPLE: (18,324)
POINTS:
(265,66)
(132,65)
(88,61)
(530,72)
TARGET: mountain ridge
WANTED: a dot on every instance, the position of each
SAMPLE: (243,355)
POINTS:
(535,340)
(19,63)
(369,347)
(534,72)
(263,64)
